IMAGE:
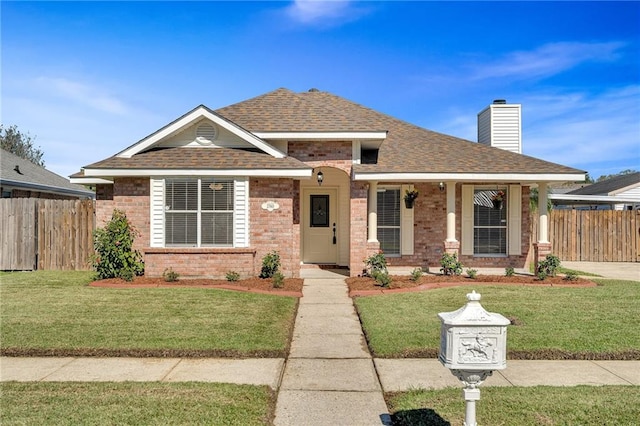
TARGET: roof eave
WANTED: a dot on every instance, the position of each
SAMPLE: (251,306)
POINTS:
(468,177)
(110,173)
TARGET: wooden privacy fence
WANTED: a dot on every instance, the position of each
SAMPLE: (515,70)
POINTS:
(593,235)
(46,234)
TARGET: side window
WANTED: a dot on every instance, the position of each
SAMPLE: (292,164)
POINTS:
(389,220)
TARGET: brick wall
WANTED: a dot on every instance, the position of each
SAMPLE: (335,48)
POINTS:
(279,229)
(317,154)
(359,248)
(130,195)
(201,262)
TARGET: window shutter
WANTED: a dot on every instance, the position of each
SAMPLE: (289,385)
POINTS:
(241,213)
(406,224)
(467,220)
(157,212)
(515,220)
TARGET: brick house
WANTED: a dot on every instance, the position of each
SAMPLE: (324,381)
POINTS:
(321,180)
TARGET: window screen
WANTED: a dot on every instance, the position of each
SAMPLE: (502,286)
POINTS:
(389,221)
(199,212)
(489,223)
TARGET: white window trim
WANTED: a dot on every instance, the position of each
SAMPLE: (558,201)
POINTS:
(514,220)
(240,214)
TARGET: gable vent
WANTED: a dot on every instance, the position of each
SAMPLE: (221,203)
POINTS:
(206,134)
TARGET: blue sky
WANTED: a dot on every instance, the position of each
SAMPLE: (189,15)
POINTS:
(88,79)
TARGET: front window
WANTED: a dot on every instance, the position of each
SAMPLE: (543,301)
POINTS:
(490,222)
(389,221)
(199,212)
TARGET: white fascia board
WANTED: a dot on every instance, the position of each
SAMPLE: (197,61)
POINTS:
(593,198)
(468,177)
(195,115)
(379,135)
(90,181)
(293,173)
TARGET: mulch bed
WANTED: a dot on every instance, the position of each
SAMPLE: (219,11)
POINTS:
(291,287)
(365,286)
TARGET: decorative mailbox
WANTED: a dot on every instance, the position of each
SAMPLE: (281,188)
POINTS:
(473,343)
(472,338)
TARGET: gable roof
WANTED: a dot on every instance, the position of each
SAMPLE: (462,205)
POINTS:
(610,186)
(406,151)
(20,173)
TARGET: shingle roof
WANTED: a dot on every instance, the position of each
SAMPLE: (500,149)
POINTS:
(609,186)
(199,158)
(407,148)
(34,177)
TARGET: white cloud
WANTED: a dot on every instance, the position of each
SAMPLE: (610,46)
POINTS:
(85,94)
(323,12)
(547,60)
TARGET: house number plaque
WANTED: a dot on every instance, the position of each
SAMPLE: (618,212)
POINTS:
(270,206)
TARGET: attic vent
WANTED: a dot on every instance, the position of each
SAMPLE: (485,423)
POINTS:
(206,134)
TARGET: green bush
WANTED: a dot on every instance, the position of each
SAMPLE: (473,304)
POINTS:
(278,280)
(450,264)
(114,255)
(548,266)
(472,273)
(270,264)
(170,276)
(232,276)
(416,274)
(509,272)
(383,278)
(374,264)
(570,276)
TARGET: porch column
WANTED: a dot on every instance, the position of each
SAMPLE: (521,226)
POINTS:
(543,247)
(372,236)
(451,245)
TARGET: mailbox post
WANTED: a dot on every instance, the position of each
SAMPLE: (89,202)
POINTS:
(473,343)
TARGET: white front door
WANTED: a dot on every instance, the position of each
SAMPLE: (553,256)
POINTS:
(319,232)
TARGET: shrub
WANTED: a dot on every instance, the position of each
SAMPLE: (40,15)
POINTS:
(542,274)
(170,276)
(374,264)
(509,272)
(278,280)
(270,264)
(570,276)
(114,256)
(450,264)
(383,278)
(548,265)
(232,276)
(416,274)
(472,273)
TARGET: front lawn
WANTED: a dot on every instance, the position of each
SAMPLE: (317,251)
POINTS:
(56,313)
(522,406)
(550,322)
(72,403)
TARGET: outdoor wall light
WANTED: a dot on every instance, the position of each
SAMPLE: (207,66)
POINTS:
(320,177)
(441,186)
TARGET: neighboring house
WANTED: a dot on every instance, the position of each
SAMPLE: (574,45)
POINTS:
(20,178)
(617,193)
(321,180)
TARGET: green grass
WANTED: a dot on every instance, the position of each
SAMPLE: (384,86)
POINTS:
(541,405)
(73,403)
(56,312)
(589,320)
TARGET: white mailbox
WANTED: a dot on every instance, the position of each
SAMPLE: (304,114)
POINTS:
(472,338)
(473,343)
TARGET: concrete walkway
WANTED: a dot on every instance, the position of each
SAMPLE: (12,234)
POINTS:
(329,377)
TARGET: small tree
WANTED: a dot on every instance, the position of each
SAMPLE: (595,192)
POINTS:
(114,254)
(20,144)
